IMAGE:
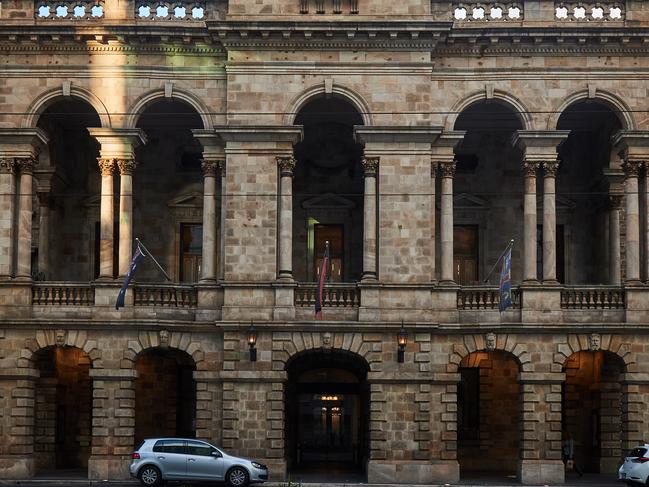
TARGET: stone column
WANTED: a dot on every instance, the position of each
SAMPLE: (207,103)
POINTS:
(286,166)
(433,209)
(25,210)
(208,269)
(370,166)
(107,218)
(646,221)
(221,261)
(126,168)
(446,221)
(529,221)
(615,271)
(549,222)
(45,202)
(7,209)
(632,243)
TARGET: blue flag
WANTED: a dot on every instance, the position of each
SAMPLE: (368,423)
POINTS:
(137,257)
(506,281)
(323,275)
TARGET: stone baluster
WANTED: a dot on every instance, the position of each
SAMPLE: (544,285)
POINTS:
(126,168)
(615,271)
(549,222)
(370,166)
(632,243)
(208,268)
(25,210)
(106,218)
(446,220)
(286,167)
(7,209)
(529,221)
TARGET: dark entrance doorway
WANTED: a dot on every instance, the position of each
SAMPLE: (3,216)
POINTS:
(327,410)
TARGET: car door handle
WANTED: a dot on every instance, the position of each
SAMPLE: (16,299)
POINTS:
(191,459)
(161,458)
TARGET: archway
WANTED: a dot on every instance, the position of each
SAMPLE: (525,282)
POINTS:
(592,409)
(488,414)
(328,191)
(327,416)
(487,188)
(165,394)
(62,409)
(583,204)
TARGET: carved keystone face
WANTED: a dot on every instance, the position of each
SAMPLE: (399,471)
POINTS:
(490,341)
(60,338)
(594,342)
(164,338)
(326,339)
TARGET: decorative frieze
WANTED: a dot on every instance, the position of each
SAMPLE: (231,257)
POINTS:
(487,11)
(600,11)
(70,10)
(163,10)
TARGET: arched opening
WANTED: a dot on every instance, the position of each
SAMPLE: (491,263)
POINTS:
(592,409)
(328,192)
(168,183)
(165,394)
(68,182)
(487,188)
(327,409)
(583,188)
(62,409)
(488,415)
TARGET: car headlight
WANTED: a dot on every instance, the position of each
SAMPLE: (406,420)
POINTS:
(259,466)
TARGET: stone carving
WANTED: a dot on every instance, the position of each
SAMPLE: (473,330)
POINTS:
(106,166)
(550,168)
(59,338)
(487,11)
(169,11)
(631,168)
(164,338)
(70,9)
(26,164)
(598,11)
(126,166)
(370,166)
(286,165)
(594,342)
(448,169)
(209,167)
(530,169)
(490,342)
(7,165)
(326,339)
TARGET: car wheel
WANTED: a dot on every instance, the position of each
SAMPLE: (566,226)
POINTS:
(150,476)
(237,477)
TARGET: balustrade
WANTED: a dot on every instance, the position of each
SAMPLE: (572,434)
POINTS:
(482,297)
(165,295)
(600,11)
(58,294)
(69,9)
(333,295)
(592,298)
(487,11)
(168,10)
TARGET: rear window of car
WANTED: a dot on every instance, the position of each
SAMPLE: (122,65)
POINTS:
(638,452)
(169,446)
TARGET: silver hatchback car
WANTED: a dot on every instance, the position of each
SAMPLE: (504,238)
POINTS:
(157,460)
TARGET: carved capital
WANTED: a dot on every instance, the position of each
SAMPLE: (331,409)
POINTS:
(209,167)
(106,166)
(286,165)
(370,166)
(222,166)
(447,168)
(530,169)
(126,166)
(434,166)
(550,169)
(26,164)
(615,201)
(7,165)
(631,168)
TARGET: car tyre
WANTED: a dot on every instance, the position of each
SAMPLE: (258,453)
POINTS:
(237,477)
(150,476)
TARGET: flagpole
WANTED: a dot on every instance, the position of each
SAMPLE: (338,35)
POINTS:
(511,242)
(140,244)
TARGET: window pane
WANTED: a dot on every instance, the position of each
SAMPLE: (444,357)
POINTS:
(201,449)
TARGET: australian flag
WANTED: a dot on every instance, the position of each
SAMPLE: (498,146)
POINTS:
(321,280)
(137,257)
(506,280)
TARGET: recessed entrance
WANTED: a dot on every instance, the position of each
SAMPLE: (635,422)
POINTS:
(327,404)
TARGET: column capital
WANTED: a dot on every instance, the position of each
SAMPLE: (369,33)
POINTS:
(126,166)
(210,167)
(26,164)
(447,168)
(434,167)
(530,168)
(550,168)
(106,165)
(631,168)
(7,165)
(615,201)
(370,166)
(286,165)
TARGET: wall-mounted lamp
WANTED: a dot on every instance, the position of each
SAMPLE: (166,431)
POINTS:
(252,341)
(402,340)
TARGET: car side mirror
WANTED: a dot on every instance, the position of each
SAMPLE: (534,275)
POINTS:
(216,454)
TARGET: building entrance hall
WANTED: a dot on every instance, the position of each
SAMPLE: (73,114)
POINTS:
(326,416)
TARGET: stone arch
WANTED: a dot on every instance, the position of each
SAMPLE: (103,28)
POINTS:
(612,101)
(61,338)
(44,100)
(506,99)
(289,345)
(581,342)
(147,340)
(349,95)
(477,343)
(141,103)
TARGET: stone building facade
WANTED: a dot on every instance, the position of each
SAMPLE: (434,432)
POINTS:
(235,138)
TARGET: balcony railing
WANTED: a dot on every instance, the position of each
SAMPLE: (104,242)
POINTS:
(62,294)
(167,295)
(333,295)
(592,297)
(483,297)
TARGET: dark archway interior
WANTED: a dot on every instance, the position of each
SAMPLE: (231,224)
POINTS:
(70,167)
(592,409)
(327,407)
(165,395)
(328,191)
(62,409)
(583,189)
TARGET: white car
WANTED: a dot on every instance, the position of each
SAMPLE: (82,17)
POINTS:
(635,469)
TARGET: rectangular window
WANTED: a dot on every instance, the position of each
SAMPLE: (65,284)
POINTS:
(334,235)
(465,254)
(191,251)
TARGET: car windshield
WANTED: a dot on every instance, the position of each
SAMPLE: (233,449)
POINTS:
(638,452)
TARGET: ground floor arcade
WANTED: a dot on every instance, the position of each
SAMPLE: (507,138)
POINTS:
(459,404)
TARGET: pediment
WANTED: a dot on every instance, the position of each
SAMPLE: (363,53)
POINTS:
(193,199)
(328,200)
(469,202)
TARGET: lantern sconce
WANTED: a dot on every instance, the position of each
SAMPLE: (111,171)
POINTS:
(252,342)
(402,340)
